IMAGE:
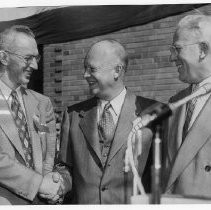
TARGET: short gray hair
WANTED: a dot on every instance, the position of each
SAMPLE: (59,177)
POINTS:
(198,25)
(8,35)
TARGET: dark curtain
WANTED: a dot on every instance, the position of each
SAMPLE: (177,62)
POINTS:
(79,22)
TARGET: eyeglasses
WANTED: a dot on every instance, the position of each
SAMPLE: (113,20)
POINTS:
(91,69)
(27,59)
(176,49)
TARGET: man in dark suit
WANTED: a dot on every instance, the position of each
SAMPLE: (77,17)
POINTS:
(27,124)
(188,157)
(94,132)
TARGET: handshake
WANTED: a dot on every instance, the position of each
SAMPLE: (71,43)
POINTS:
(52,188)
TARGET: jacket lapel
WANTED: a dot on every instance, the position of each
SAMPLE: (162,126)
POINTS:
(175,134)
(195,139)
(124,125)
(31,107)
(8,125)
(88,125)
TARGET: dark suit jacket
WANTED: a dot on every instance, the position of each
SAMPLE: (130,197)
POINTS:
(189,165)
(80,150)
(19,184)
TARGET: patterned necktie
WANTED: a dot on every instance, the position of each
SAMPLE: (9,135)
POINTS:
(189,112)
(21,124)
(106,124)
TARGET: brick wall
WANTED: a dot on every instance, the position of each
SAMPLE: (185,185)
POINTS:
(150,73)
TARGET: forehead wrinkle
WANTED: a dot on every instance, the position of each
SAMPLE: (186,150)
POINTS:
(184,35)
(9,40)
(25,43)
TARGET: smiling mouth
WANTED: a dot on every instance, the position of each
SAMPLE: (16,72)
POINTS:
(92,83)
(28,73)
(179,66)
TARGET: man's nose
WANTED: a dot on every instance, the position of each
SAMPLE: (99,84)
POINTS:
(86,74)
(34,64)
(173,57)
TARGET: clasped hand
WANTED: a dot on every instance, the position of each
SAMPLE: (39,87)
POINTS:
(52,188)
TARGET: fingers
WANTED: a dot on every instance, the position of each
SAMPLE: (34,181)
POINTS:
(46,196)
(56,185)
(56,177)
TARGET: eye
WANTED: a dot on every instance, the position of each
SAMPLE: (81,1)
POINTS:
(178,48)
(91,69)
(29,57)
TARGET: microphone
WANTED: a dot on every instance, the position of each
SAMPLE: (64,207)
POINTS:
(203,90)
(158,111)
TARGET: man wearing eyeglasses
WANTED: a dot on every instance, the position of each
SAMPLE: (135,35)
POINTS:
(27,125)
(188,154)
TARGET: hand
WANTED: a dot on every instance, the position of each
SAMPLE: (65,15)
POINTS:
(49,188)
(58,199)
(56,196)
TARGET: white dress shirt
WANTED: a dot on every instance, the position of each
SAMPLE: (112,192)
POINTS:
(116,106)
(6,91)
(201,100)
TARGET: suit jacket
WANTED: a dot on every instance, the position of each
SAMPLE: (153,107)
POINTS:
(189,165)
(80,151)
(19,184)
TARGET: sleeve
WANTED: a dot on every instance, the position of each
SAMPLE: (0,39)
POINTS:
(47,113)
(16,177)
(64,163)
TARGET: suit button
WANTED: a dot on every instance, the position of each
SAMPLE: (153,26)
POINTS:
(207,168)
(105,155)
(104,188)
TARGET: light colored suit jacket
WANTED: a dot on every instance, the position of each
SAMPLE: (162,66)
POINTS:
(19,184)
(189,165)
(80,151)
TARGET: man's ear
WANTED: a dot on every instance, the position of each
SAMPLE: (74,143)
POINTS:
(3,58)
(118,71)
(204,48)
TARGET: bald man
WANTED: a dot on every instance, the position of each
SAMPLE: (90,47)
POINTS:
(94,132)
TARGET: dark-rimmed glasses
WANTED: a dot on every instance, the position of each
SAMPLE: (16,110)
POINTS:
(176,49)
(27,59)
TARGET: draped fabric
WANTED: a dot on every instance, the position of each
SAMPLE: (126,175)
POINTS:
(78,22)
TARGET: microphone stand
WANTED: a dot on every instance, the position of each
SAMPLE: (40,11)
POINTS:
(156,167)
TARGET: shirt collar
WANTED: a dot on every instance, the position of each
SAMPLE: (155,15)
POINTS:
(6,90)
(207,80)
(116,102)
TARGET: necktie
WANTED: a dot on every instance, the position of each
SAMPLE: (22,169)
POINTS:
(21,124)
(189,112)
(106,124)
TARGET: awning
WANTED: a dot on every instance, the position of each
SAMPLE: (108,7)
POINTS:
(63,24)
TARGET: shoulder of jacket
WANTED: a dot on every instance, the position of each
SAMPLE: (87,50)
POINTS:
(181,94)
(37,95)
(82,106)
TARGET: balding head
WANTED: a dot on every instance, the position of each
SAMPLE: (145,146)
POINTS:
(109,51)
(105,65)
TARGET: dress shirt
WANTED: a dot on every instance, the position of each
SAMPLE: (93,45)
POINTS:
(6,91)
(116,106)
(201,100)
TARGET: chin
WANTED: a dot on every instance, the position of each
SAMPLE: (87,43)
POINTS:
(25,82)
(93,91)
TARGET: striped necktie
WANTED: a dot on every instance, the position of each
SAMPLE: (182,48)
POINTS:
(189,112)
(106,124)
(21,124)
